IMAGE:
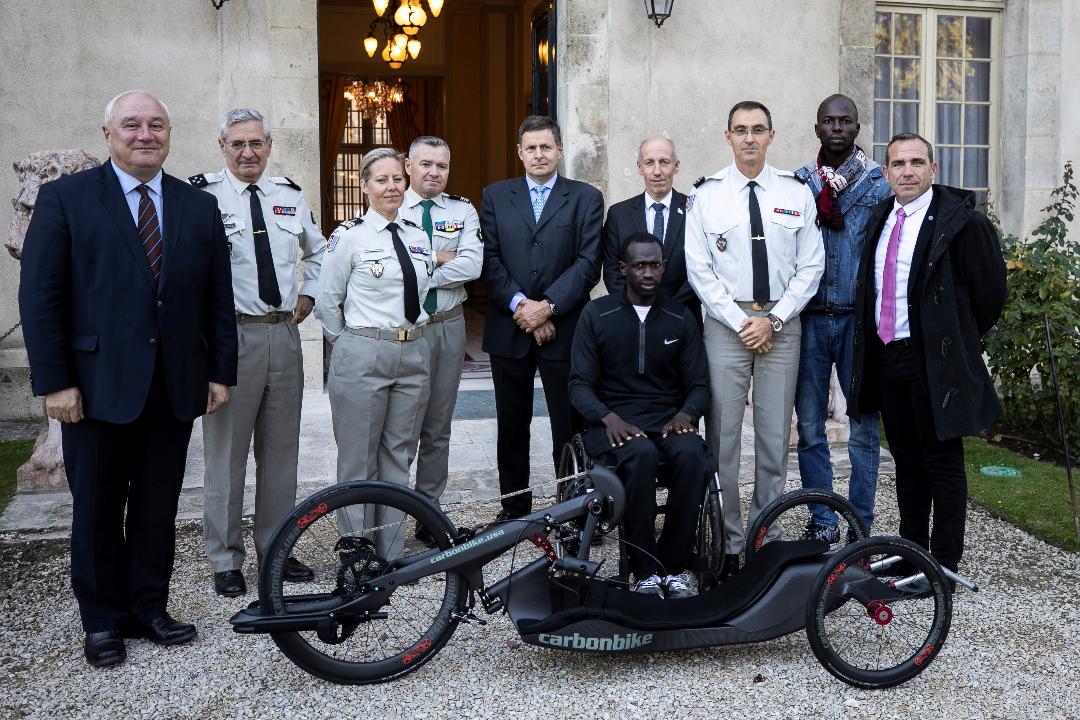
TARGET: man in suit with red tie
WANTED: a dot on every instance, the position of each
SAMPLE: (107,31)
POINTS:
(661,211)
(931,284)
(541,258)
(126,301)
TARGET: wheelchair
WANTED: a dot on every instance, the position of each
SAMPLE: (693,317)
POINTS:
(707,558)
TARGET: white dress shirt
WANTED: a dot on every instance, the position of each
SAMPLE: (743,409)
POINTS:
(719,263)
(915,214)
(650,214)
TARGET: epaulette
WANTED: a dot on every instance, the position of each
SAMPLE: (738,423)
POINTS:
(801,179)
(204,179)
(285,181)
(700,181)
(351,223)
(458,197)
(407,221)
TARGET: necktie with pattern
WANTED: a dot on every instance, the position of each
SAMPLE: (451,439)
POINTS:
(759,253)
(658,221)
(408,274)
(887,323)
(431,302)
(149,230)
(538,201)
(269,292)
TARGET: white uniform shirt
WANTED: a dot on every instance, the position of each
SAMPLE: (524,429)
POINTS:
(915,212)
(456,227)
(719,265)
(650,214)
(290,227)
(361,272)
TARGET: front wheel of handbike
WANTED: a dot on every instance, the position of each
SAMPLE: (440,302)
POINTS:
(787,517)
(349,535)
(870,624)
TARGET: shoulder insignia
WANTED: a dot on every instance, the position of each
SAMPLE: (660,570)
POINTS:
(690,202)
(783,173)
(407,221)
(198,180)
(351,223)
(459,198)
(700,181)
(801,178)
(285,181)
(332,241)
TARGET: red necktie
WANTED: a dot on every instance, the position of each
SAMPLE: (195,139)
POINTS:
(886,327)
(149,230)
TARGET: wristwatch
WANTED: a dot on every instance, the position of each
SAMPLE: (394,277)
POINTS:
(777,323)
(554,308)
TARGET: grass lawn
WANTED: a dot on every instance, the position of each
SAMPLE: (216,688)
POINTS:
(13,453)
(1037,501)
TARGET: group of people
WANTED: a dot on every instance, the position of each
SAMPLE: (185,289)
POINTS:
(147,303)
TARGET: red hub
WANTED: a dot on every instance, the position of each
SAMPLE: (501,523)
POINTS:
(881,612)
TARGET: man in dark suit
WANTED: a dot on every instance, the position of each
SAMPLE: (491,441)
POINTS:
(126,301)
(931,284)
(541,258)
(660,210)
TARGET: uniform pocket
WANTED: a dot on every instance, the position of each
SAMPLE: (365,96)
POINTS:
(718,235)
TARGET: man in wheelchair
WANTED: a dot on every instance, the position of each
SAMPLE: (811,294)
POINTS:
(639,378)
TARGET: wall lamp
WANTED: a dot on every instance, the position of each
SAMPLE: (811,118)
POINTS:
(659,10)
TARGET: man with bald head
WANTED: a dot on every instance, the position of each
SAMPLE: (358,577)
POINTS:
(846,186)
(660,210)
(127,309)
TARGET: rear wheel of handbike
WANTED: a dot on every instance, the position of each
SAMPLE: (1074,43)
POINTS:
(327,532)
(867,632)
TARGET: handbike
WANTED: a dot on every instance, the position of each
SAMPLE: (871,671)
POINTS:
(382,603)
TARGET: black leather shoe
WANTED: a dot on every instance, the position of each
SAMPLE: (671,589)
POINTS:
(425,537)
(296,571)
(731,566)
(229,583)
(104,649)
(162,630)
(505,515)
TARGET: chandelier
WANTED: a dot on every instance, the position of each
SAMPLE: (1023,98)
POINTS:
(376,98)
(400,27)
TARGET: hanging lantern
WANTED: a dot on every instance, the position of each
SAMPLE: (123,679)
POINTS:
(436,7)
(380,6)
(414,48)
(370,45)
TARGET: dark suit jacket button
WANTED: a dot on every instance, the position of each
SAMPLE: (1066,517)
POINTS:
(153,341)
(160,303)
(534,271)
(536,242)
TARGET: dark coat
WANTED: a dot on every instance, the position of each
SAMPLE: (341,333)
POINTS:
(557,258)
(95,318)
(628,217)
(956,292)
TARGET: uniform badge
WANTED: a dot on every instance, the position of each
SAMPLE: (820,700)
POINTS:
(449,225)
(418,250)
(331,242)
(283,210)
(690,202)
(377,270)
(721,243)
(782,211)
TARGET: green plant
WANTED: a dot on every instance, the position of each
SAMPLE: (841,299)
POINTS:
(1042,273)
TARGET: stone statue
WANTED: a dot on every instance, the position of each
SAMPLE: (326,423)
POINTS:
(32,171)
(45,468)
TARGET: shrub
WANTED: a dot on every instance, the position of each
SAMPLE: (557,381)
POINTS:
(1042,272)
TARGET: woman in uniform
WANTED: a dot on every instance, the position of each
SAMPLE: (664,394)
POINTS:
(371,289)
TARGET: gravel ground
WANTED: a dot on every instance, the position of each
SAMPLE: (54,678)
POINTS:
(1012,653)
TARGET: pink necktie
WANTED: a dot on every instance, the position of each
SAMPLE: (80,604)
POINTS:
(887,323)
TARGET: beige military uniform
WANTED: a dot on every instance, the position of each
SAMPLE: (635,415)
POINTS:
(456,228)
(378,382)
(719,267)
(266,401)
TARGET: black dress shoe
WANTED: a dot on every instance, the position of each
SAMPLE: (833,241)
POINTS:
(229,583)
(296,571)
(104,649)
(162,630)
(731,566)
(505,515)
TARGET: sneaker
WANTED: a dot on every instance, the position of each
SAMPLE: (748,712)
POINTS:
(649,586)
(823,533)
(676,588)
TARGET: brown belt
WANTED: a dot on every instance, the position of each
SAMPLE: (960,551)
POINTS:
(756,307)
(450,314)
(273,318)
(399,335)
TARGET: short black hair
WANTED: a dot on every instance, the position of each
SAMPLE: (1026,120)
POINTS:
(901,137)
(838,96)
(534,123)
(638,238)
(748,105)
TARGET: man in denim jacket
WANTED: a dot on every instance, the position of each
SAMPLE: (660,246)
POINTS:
(846,185)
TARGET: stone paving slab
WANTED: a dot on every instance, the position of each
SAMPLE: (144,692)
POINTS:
(473,475)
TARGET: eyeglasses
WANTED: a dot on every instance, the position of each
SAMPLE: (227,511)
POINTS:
(238,145)
(756,131)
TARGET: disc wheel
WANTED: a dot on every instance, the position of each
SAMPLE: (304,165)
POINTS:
(327,532)
(786,518)
(863,629)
